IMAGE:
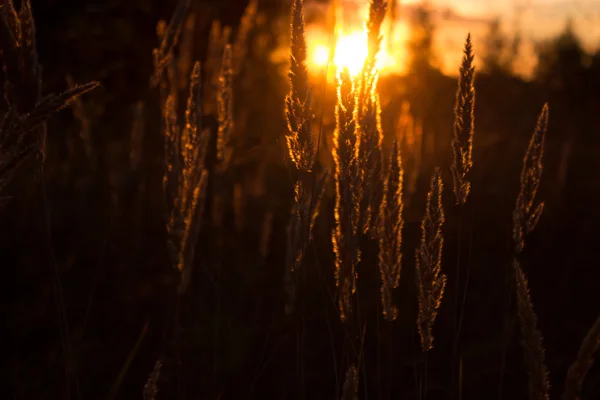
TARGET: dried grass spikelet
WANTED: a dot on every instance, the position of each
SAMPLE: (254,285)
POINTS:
(172,160)
(464,126)
(370,162)
(532,339)
(317,197)
(218,38)
(22,85)
(525,217)
(377,12)
(390,233)
(48,106)
(185,178)
(151,386)
(194,146)
(301,148)
(299,233)
(18,135)
(350,388)
(194,140)
(295,244)
(527,211)
(18,47)
(225,109)
(580,367)
(23,110)
(368,119)
(169,37)
(430,280)
(344,237)
(240,46)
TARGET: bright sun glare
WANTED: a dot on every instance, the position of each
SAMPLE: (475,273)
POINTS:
(351,44)
(350,52)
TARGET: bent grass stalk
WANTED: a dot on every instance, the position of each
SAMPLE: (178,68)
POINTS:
(526,214)
(462,148)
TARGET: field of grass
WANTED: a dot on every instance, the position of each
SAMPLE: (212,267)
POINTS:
(185,217)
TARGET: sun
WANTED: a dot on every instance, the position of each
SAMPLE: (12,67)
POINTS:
(351,50)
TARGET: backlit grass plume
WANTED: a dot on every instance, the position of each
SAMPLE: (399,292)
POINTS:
(350,388)
(164,53)
(300,145)
(151,386)
(241,40)
(344,238)
(23,109)
(225,108)
(527,210)
(584,361)
(219,37)
(532,339)
(368,119)
(370,162)
(430,280)
(377,12)
(19,134)
(185,178)
(49,105)
(525,217)
(301,150)
(21,69)
(390,232)
(464,126)
(299,233)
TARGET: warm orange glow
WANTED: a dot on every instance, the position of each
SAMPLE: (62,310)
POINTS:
(351,46)
(320,55)
(350,52)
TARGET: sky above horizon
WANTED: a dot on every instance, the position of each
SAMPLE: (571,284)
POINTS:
(539,19)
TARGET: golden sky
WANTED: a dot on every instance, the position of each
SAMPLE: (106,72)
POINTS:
(536,19)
